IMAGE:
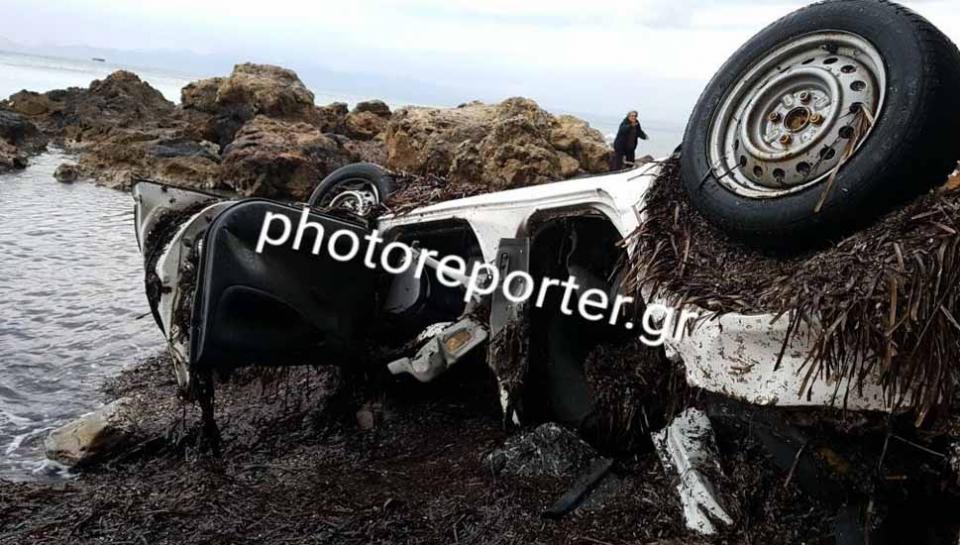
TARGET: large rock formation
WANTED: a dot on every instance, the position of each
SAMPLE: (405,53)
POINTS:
(505,145)
(19,138)
(259,132)
(251,90)
(275,158)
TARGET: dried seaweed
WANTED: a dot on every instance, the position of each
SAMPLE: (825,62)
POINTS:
(884,300)
(412,191)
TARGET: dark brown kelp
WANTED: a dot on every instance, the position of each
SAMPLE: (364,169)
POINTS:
(885,299)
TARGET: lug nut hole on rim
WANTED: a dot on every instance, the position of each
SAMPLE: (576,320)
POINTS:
(797,119)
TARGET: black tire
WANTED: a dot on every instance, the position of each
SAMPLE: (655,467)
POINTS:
(358,173)
(913,146)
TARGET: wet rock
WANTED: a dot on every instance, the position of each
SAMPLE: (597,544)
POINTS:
(280,159)
(11,158)
(75,116)
(124,155)
(548,450)
(94,437)
(67,173)
(183,147)
(19,138)
(18,131)
(514,143)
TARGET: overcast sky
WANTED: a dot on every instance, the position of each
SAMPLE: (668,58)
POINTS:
(580,56)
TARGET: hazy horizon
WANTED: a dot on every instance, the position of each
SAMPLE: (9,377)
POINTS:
(603,59)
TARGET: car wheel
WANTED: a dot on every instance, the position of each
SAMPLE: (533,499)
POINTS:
(822,121)
(359,188)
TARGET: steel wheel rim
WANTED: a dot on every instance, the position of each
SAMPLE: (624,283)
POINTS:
(785,125)
(355,195)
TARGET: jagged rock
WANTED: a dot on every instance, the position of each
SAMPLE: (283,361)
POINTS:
(511,144)
(183,147)
(122,156)
(67,173)
(583,143)
(548,450)
(32,104)
(268,90)
(251,90)
(93,437)
(201,95)
(11,158)
(364,125)
(376,107)
(75,116)
(280,159)
(330,118)
(16,130)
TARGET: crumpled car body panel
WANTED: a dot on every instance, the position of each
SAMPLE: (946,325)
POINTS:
(732,354)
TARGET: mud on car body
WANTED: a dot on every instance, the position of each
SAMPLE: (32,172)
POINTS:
(790,146)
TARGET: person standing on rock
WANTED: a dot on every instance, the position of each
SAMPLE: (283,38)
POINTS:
(625,144)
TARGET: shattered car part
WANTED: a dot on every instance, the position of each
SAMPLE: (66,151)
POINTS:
(688,447)
(447,344)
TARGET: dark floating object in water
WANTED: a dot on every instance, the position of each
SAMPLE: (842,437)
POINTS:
(98,59)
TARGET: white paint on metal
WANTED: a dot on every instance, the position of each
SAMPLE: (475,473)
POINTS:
(688,448)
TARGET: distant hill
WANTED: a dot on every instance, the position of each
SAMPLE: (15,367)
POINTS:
(8,44)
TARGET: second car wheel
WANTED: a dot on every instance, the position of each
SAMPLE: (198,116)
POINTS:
(359,188)
(822,121)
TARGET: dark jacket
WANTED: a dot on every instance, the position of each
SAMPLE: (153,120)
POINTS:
(627,137)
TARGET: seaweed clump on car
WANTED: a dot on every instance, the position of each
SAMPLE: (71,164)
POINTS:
(883,301)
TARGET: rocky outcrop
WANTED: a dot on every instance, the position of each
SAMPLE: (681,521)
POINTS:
(367,121)
(274,158)
(330,118)
(201,95)
(11,158)
(93,437)
(122,157)
(251,90)
(258,131)
(511,144)
(19,138)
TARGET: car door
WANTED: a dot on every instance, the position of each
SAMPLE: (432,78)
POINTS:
(280,305)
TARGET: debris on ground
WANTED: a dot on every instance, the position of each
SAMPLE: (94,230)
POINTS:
(547,450)
(688,448)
